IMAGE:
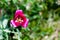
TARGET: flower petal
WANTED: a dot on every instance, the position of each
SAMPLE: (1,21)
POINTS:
(12,23)
(19,13)
(26,23)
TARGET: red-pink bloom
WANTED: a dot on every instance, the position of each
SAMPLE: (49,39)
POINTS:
(19,19)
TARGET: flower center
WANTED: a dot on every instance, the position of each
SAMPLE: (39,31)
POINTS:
(19,20)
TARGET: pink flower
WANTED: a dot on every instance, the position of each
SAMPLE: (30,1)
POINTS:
(19,19)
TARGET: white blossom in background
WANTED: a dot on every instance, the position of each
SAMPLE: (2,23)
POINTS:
(45,38)
(28,6)
(5,21)
(42,0)
(32,36)
(41,6)
(58,2)
(50,21)
(40,13)
(20,0)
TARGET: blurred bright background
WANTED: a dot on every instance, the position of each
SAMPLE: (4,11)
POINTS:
(44,19)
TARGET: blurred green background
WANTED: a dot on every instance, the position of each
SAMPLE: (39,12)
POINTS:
(44,19)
